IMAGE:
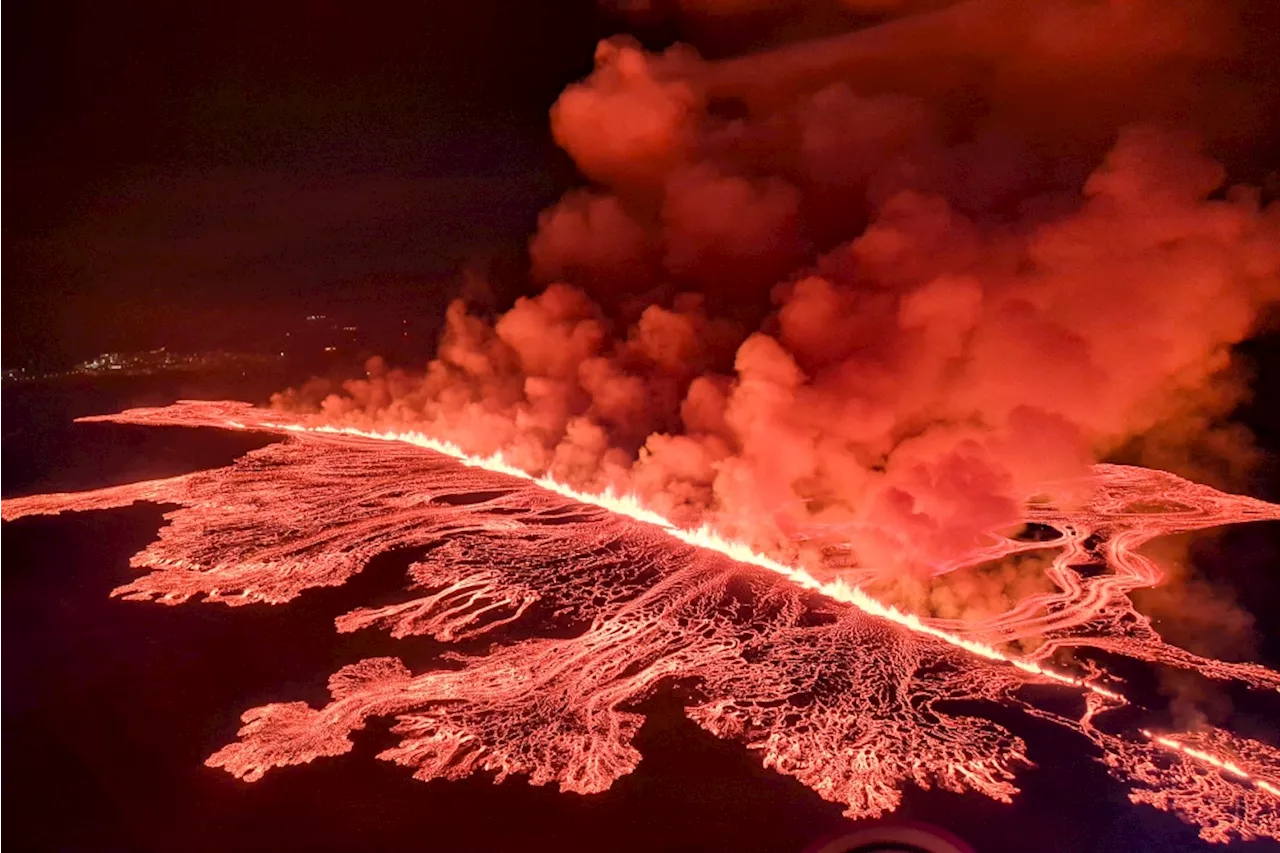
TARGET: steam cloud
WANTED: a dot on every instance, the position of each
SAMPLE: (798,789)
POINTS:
(876,289)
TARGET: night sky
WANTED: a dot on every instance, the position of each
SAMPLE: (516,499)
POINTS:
(175,170)
(194,175)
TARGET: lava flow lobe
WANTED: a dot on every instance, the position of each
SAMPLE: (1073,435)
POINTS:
(589,602)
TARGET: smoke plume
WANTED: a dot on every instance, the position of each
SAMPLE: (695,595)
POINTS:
(857,298)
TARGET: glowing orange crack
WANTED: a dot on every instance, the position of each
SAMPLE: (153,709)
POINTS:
(623,657)
(706,538)
(1224,764)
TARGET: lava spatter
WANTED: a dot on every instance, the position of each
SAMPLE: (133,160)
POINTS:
(829,685)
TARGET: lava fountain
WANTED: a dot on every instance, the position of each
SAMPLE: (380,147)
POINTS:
(586,603)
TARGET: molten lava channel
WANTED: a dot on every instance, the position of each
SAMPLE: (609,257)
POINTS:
(831,686)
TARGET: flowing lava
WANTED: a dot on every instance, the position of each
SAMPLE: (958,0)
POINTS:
(586,603)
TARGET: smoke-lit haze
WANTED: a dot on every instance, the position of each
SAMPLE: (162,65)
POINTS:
(878,288)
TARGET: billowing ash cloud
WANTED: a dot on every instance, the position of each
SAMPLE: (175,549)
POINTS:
(876,288)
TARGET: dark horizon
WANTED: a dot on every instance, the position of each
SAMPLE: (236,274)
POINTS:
(175,170)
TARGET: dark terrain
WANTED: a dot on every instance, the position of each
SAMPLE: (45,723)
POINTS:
(110,707)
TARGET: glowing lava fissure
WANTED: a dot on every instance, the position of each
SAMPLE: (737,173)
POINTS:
(850,703)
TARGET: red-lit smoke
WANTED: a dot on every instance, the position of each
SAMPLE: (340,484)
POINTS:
(874,288)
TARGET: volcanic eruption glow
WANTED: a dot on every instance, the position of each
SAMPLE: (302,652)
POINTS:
(586,603)
(706,537)
(806,418)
